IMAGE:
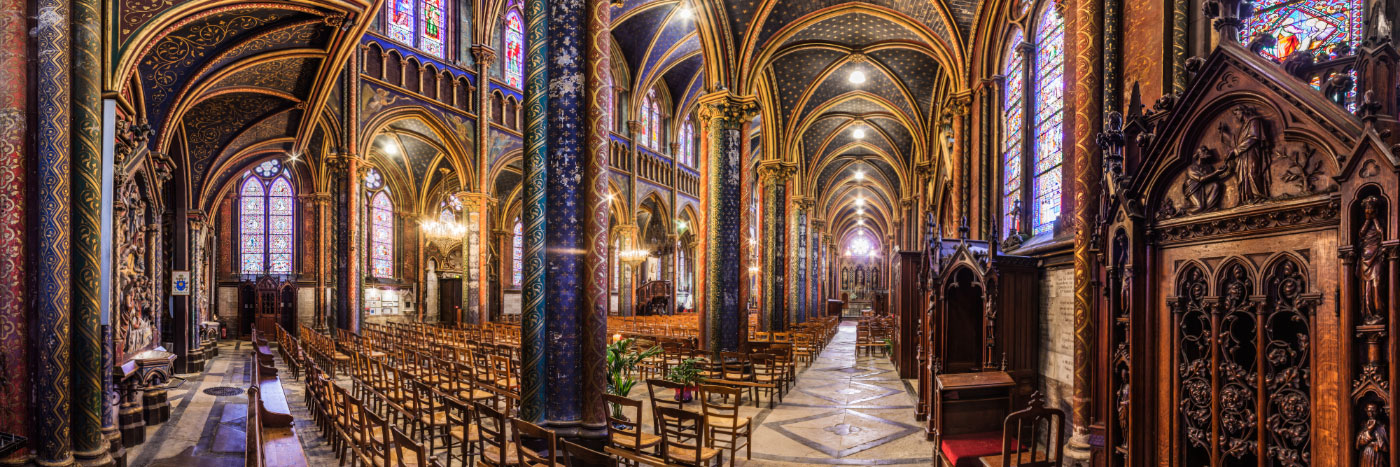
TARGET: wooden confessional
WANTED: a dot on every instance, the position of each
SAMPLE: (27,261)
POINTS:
(982,349)
(1248,271)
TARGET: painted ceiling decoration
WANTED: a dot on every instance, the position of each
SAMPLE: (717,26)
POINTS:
(798,57)
(223,84)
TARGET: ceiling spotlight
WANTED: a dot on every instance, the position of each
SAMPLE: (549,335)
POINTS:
(860,212)
(858,133)
(860,221)
(860,201)
(391,149)
(857,77)
(860,175)
(686,13)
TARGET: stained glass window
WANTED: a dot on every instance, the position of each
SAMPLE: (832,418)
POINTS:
(433,35)
(1013,103)
(688,143)
(1305,25)
(401,20)
(381,227)
(1049,118)
(655,111)
(517,254)
(515,48)
(266,207)
(645,136)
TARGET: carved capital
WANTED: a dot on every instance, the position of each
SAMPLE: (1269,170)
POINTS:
(728,111)
(775,171)
(483,54)
(635,127)
(803,203)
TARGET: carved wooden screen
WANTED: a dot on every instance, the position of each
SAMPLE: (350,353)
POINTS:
(1243,372)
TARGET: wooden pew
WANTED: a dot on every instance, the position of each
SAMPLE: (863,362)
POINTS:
(271,441)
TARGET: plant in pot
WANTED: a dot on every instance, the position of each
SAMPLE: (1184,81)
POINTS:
(687,373)
(622,358)
(889,348)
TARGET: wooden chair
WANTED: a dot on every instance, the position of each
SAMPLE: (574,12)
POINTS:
(666,400)
(428,414)
(1034,436)
(375,432)
(526,433)
(409,453)
(721,408)
(768,376)
(579,456)
(625,425)
(462,432)
(683,438)
(496,449)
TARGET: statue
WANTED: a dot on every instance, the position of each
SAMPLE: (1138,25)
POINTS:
(1124,402)
(1371,264)
(1372,439)
(1250,155)
(1125,292)
(1203,182)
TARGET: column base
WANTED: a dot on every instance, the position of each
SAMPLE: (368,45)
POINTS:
(1078,451)
(565,428)
(157,407)
(113,436)
(100,457)
(592,431)
(132,422)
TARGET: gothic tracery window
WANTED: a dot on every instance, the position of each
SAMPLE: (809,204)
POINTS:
(1033,106)
(381,226)
(1013,102)
(687,155)
(432,34)
(517,253)
(651,120)
(401,21)
(514,44)
(1049,118)
(267,204)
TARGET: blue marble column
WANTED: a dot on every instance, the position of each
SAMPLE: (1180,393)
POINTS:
(815,302)
(799,295)
(50,255)
(724,316)
(533,337)
(564,241)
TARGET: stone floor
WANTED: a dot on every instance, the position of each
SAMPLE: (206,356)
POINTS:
(843,410)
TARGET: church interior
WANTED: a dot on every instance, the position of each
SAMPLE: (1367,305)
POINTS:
(699,232)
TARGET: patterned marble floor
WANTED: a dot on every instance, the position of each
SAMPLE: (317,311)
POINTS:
(843,410)
(208,416)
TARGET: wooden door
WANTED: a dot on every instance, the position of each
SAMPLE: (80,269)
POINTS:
(449,299)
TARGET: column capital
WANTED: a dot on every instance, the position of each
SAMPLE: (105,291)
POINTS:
(483,54)
(776,171)
(803,202)
(924,169)
(908,202)
(634,126)
(817,224)
(726,109)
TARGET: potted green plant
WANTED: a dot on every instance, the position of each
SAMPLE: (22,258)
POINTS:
(889,348)
(687,373)
(622,358)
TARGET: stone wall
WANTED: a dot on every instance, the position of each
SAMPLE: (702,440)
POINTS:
(1057,336)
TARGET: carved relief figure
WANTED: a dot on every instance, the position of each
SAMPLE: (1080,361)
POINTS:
(1249,155)
(135,318)
(1238,289)
(1202,187)
(1370,264)
(1124,402)
(1373,440)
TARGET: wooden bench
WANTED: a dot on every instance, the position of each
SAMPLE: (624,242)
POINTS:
(270,439)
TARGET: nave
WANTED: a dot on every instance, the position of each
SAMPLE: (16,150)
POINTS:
(843,408)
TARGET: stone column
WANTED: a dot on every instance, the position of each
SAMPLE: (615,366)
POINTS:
(534,340)
(723,115)
(322,201)
(1087,61)
(198,230)
(798,263)
(15,293)
(626,237)
(475,211)
(567,210)
(501,240)
(816,304)
(52,395)
(86,177)
(353,282)
(595,178)
(774,176)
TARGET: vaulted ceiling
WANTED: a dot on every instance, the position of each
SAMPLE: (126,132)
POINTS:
(856,141)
